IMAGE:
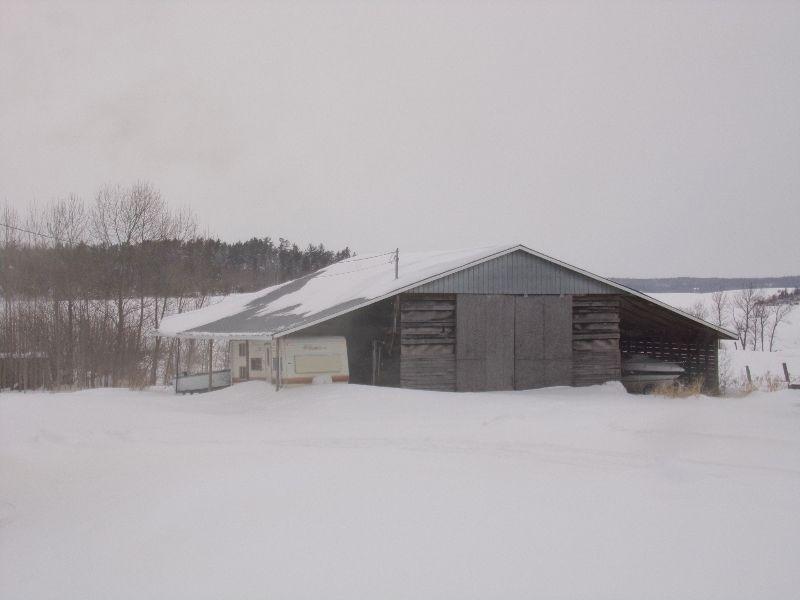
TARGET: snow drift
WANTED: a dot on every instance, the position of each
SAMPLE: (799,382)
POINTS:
(358,492)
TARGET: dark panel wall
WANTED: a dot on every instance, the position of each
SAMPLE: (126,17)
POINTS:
(529,343)
(485,342)
(428,341)
(542,341)
(508,342)
(595,339)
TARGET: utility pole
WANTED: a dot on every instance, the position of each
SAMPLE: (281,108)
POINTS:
(397,263)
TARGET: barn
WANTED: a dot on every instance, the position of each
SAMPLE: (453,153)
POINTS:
(491,318)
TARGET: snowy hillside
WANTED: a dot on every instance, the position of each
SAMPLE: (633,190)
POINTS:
(787,341)
(358,492)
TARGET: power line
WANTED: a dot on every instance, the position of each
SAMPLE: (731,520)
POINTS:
(52,237)
(352,271)
(367,257)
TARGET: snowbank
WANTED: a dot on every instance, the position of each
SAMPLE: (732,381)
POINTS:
(356,492)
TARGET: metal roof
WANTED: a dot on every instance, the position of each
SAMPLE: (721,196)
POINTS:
(357,282)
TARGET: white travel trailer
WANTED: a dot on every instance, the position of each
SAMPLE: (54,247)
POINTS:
(290,360)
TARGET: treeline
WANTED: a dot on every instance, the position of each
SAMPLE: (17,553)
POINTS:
(664,285)
(785,297)
(84,284)
(202,266)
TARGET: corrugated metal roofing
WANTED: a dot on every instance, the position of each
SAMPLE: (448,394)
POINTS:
(352,283)
(516,273)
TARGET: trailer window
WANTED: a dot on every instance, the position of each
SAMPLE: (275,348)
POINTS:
(242,348)
(256,364)
(317,363)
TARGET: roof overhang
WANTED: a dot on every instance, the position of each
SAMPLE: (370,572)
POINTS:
(201,335)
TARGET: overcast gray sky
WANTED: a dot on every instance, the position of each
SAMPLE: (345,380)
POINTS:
(633,139)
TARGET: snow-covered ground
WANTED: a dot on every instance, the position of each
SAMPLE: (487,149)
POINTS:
(358,492)
(787,341)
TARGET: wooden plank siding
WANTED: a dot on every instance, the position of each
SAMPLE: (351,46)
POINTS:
(428,342)
(482,342)
(595,339)
(699,359)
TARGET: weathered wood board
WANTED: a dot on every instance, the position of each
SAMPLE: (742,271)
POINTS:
(699,359)
(595,339)
(428,340)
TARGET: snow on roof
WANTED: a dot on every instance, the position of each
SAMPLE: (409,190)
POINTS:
(340,288)
(323,294)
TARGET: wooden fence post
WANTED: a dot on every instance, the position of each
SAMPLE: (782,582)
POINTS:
(177,362)
(277,364)
(210,363)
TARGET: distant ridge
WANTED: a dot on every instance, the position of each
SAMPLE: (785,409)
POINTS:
(705,284)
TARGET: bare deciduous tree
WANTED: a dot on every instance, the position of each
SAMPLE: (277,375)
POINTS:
(743,309)
(83,291)
(698,309)
(719,307)
(759,323)
(124,220)
(66,221)
(779,313)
